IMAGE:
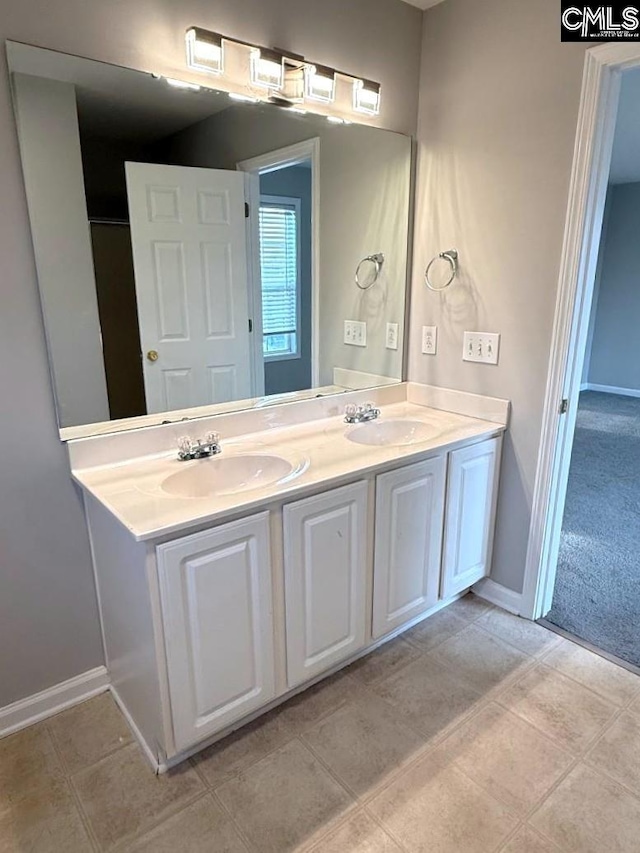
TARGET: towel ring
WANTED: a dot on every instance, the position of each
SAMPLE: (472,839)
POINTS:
(451,256)
(377,260)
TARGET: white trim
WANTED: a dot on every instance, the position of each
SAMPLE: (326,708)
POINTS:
(499,595)
(252,197)
(293,155)
(51,701)
(587,193)
(611,389)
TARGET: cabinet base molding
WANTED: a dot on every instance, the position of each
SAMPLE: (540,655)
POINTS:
(157,762)
(33,709)
(501,596)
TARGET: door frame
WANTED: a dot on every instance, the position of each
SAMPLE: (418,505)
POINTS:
(604,66)
(271,161)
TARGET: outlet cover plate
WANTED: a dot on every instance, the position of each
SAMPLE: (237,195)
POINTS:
(482,347)
(392,336)
(429,340)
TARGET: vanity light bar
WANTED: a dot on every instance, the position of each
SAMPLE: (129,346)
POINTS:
(267,68)
(281,71)
(366,97)
(182,84)
(205,51)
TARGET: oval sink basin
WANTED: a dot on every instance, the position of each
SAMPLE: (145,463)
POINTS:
(227,475)
(397,433)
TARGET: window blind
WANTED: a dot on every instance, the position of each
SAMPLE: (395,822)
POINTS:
(279,272)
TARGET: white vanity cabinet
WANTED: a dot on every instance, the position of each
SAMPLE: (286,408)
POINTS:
(472,492)
(408,543)
(326,548)
(217,614)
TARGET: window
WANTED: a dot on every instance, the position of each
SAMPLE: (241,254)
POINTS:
(280,270)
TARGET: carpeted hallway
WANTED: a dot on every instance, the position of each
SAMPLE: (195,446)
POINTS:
(597,593)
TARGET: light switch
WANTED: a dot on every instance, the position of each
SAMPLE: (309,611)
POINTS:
(355,333)
(392,336)
(429,340)
(482,347)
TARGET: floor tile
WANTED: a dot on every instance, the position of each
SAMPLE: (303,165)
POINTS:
(89,731)
(635,706)
(28,760)
(507,757)
(284,800)
(525,635)
(200,828)
(122,797)
(614,683)
(360,834)
(527,840)
(559,707)
(484,661)
(588,813)
(436,629)
(470,607)
(618,752)
(45,820)
(434,807)
(363,743)
(383,661)
(311,705)
(427,697)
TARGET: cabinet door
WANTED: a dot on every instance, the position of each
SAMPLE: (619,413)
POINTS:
(325,565)
(409,517)
(216,597)
(470,515)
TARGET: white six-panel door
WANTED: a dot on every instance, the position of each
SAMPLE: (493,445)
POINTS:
(190,259)
(216,598)
(325,565)
(470,514)
(409,517)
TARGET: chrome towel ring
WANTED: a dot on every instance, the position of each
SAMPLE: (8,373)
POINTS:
(377,260)
(451,256)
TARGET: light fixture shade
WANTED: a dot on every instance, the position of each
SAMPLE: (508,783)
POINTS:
(267,68)
(366,97)
(205,51)
(319,83)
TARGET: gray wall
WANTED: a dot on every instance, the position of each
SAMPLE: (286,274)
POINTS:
(294,374)
(615,360)
(48,619)
(497,122)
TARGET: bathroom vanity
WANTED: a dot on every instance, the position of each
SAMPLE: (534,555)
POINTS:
(227,584)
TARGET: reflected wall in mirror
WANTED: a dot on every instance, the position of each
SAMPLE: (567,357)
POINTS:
(193,251)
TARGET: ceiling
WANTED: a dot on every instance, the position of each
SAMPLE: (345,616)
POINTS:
(423,4)
(625,161)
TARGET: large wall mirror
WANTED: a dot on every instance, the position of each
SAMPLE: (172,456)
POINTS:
(196,251)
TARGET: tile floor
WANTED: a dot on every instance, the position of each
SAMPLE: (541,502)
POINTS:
(475,731)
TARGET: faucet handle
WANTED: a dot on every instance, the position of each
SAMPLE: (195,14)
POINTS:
(184,443)
(368,407)
(212,438)
(351,410)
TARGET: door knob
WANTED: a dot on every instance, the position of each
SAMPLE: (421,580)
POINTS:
(152,355)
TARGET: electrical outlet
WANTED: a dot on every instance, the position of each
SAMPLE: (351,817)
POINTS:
(392,336)
(355,333)
(429,340)
(481,346)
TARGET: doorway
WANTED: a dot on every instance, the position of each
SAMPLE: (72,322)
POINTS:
(583,565)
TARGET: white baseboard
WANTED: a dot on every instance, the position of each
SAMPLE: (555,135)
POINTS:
(611,389)
(499,595)
(38,707)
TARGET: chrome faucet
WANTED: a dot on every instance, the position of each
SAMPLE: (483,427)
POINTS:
(358,414)
(189,448)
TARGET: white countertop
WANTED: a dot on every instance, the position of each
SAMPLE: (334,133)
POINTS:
(132,490)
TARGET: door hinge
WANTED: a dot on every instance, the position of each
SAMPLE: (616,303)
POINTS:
(246,210)
(250,324)
(564,406)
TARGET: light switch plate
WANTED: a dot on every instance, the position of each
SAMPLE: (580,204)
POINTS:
(429,340)
(482,347)
(392,336)
(355,333)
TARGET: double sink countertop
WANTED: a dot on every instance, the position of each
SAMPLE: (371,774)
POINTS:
(156,495)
